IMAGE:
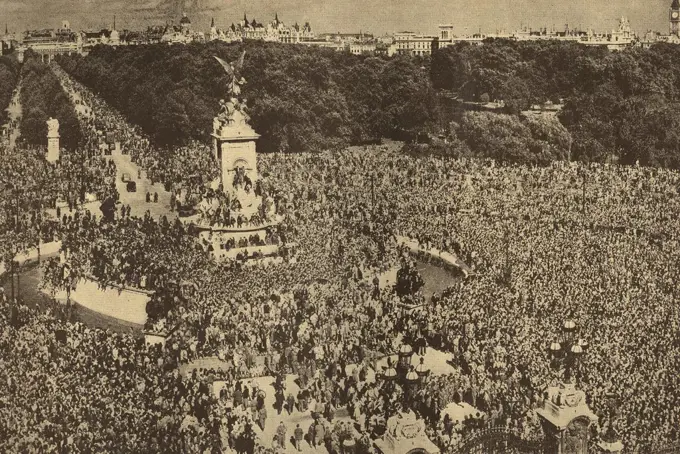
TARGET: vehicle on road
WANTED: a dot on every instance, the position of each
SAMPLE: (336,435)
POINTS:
(126,177)
(131,186)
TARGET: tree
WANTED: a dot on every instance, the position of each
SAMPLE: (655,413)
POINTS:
(43,97)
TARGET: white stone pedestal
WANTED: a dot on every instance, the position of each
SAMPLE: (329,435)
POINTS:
(52,140)
(611,448)
(405,435)
(52,149)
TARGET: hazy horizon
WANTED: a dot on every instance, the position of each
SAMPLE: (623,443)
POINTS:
(377,16)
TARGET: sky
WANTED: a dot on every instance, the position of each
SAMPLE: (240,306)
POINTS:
(373,16)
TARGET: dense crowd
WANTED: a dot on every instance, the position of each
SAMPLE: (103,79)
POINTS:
(542,255)
(591,243)
(68,388)
(186,168)
(559,264)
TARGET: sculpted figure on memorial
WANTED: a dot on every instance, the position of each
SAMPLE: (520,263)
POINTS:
(227,109)
(236,81)
(52,127)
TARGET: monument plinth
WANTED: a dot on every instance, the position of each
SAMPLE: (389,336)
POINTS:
(237,220)
(52,140)
(566,419)
(235,149)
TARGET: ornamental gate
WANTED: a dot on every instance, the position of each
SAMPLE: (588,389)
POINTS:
(501,441)
(671,449)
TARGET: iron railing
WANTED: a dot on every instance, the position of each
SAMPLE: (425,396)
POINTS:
(499,440)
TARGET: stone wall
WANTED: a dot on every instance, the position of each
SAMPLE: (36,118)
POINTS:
(125,304)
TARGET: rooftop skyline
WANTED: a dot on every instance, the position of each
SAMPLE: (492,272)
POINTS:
(376,16)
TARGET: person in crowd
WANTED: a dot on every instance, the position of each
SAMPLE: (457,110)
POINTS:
(299,436)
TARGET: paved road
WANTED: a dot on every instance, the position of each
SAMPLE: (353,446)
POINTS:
(14,112)
(124,165)
(137,200)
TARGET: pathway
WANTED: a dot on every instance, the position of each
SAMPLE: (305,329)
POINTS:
(124,165)
(137,200)
(14,112)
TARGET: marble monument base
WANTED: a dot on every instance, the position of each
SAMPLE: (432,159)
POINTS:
(52,149)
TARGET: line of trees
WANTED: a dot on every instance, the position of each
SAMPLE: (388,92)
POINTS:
(508,138)
(9,75)
(300,98)
(43,97)
(618,106)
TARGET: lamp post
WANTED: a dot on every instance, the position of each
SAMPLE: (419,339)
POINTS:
(405,355)
(610,440)
(411,383)
(389,377)
(565,415)
(567,350)
(422,370)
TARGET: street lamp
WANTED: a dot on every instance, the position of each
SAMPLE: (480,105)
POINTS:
(411,382)
(567,349)
(405,354)
(610,439)
(390,374)
(422,370)
(388,377)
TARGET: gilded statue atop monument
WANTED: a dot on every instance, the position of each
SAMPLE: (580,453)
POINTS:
(234,106)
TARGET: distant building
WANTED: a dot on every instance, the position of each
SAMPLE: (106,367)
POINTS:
(362,48)
(446,33)
(619,38)
(114,36)
(674,17)
(274,31)
(386,39)
(51,42)
(348,37)
(8,43)
(181,33)
(410,43)
(650,38)
(325,44)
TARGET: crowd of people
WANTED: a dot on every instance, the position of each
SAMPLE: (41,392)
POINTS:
(595,244)
(542,254)
(68,388)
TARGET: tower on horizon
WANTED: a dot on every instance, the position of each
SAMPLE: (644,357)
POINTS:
(675,18)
